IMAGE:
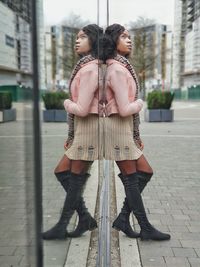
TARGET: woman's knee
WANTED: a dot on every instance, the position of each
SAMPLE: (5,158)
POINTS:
(63,165)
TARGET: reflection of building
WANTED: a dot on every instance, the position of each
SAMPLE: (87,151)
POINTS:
(60,55)
(15,43)
(15,49)
(155,43)
(186,44)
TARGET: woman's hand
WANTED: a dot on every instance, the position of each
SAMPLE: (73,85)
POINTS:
(66,104)
(140,144)
(66,145)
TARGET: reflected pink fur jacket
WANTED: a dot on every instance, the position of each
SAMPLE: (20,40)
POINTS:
(120,89)
(84,91)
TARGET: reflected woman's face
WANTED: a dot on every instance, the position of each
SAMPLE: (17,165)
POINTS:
(124,44)
(82,45)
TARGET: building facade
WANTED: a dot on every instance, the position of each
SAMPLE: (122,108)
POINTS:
(15,43)
(155,42)
(60,55)
(186,44)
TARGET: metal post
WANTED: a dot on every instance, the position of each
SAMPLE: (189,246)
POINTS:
(36,140)
(104,244)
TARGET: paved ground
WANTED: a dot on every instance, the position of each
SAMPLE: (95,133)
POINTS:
(172,199)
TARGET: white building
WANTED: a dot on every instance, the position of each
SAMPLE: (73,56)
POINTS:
(186,44)
(157,55)
(15,44)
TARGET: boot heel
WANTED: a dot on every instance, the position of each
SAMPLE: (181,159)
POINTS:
(92,224)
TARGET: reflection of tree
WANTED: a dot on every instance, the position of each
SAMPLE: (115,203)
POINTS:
(149,50)
(68,57)
(143,57)
(70,28)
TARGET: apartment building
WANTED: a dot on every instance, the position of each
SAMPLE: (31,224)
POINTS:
(156,42)
(186,44)
(15,43)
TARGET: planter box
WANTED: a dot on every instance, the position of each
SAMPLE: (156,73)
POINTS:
(8,115)
(159,115)
(55,115)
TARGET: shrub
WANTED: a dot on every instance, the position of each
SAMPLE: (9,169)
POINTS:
(54,100)
(159,99)
(5,100)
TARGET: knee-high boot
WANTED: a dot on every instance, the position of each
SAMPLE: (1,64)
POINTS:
(76,186)
(122,222)
(131,186)
(86,221)
(59,230)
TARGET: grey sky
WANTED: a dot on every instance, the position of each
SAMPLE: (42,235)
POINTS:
(121,11)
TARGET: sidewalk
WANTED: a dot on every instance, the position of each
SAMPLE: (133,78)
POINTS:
(171,198)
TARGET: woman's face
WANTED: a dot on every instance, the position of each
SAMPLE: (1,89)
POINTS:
(82,45)
(124,44)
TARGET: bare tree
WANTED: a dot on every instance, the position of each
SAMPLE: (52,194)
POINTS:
(143,56)
(70,27)
(74,20)
(141,22)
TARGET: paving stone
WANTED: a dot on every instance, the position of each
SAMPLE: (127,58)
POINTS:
(150,251)
(197,251)
(11,260)
(176,262)
(190,243)
(194,262)
(182,229)
(153,262)
(193,229)
(184,252)
(5,251)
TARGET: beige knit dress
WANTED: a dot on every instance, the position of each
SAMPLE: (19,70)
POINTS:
(118,139)
(86,143)
(110,138)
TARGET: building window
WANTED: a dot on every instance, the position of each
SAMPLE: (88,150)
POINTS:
(10,41)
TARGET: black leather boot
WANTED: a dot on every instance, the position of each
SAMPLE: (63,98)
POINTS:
(122,222)
(58,231)
(131,186)
(86,221)
(144,178)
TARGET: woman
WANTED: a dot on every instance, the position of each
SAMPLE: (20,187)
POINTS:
(81,150)
(122,140)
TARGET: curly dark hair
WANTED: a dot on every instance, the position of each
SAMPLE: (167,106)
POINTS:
(110,40)
(94,33)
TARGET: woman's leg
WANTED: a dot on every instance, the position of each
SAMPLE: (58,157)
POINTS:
(122,222)
(77,181)
(62,172)
(63,165)
(133,194)
(144,172)
(58,231)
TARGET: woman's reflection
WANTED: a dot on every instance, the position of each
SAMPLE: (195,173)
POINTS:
(122,142)
(81,145)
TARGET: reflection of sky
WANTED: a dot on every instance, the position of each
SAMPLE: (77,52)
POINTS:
(121,11)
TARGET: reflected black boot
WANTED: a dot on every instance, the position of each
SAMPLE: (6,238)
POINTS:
(59,230)
(86,221)
(144,178)
(122,222)
(131,186)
